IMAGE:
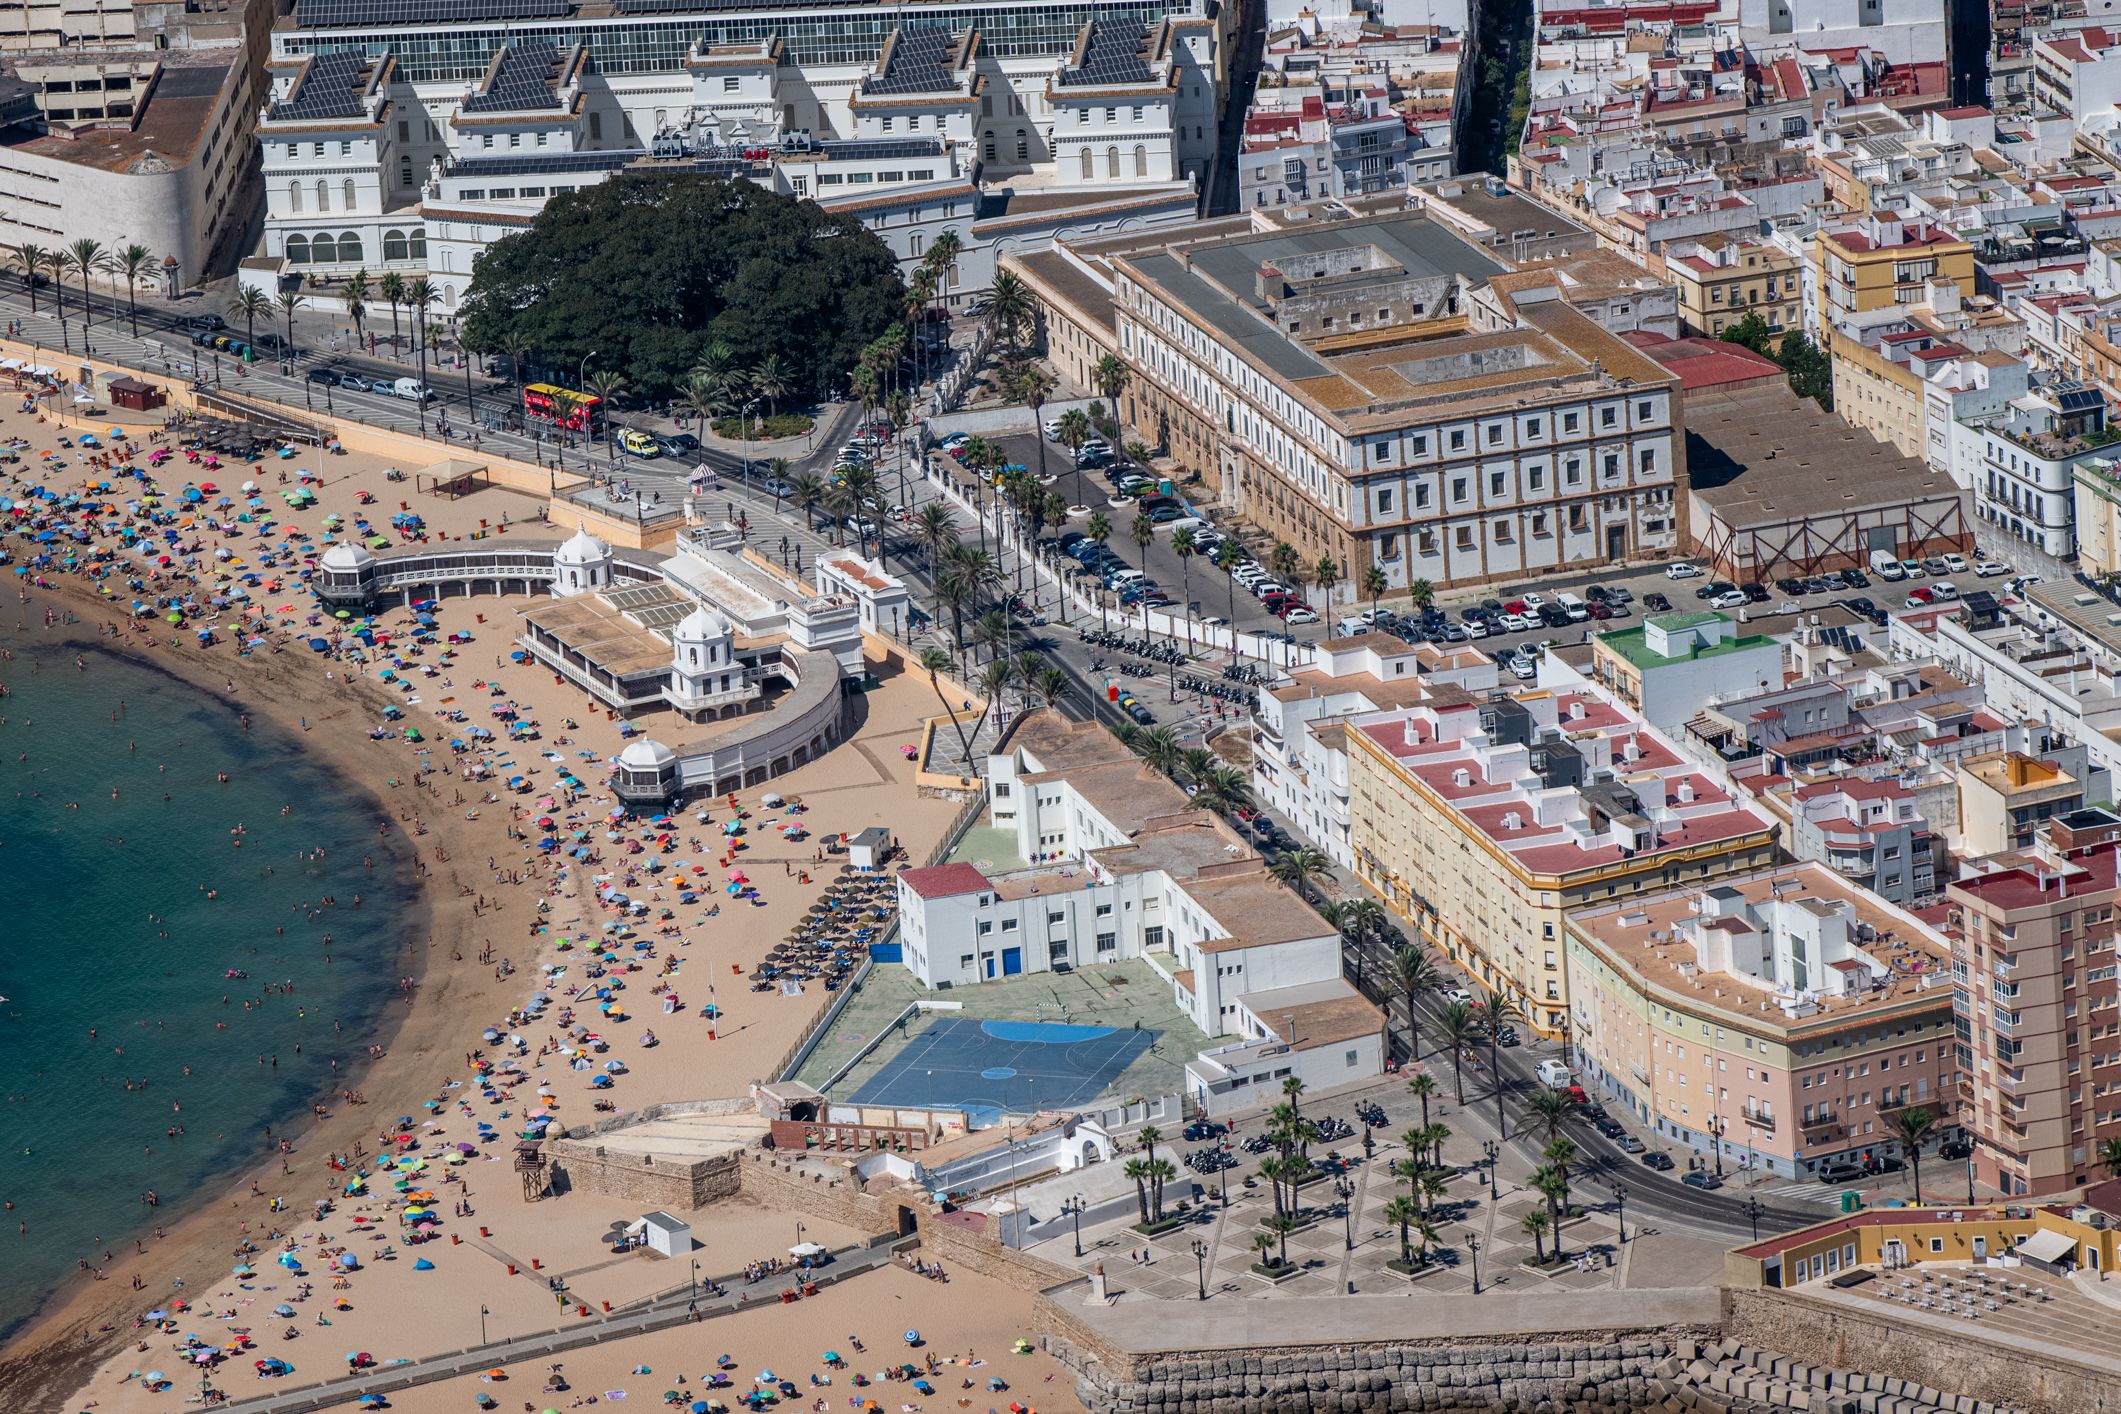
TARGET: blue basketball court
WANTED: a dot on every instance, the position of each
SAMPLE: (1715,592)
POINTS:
(1004,1065)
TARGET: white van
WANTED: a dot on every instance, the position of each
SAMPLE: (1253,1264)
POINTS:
(412,390)
(1552,1073)
(1575,608)
(1886,565)
(1348,628)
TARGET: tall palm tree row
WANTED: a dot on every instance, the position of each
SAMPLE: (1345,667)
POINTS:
(247,303)
(85,258)
(132,263)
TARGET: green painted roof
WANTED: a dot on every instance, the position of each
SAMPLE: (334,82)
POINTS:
(1631,644)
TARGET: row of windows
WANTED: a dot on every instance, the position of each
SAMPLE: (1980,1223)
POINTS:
(346,248)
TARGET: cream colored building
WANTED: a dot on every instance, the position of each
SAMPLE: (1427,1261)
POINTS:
(1787,1014)
(2097,493)
(2006,796)
(1488,822)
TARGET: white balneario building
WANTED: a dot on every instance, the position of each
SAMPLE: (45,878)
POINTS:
(1119,868)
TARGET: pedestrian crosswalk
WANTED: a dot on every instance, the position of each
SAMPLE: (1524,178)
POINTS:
(1800,1190)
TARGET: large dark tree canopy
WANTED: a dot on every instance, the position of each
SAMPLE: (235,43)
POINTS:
(649,272)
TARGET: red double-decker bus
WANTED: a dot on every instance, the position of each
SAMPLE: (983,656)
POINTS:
(563,407)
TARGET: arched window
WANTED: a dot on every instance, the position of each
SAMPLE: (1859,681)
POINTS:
(1141,160)
(1023,145)
(346,194)
(416,247)
(294,197)
(298,250)
(323,195)
(1111,161)
(1089,165)
(349,247)
(323,250)
(393,246)
(449,297)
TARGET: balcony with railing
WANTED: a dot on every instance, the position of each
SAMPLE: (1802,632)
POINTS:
(1758,1119)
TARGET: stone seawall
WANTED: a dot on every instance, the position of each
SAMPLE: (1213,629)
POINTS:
(672,1187)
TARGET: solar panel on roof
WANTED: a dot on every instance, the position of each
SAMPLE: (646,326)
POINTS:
(327,89)
(1111,55)
(522,82)
(915,62)
(320,14)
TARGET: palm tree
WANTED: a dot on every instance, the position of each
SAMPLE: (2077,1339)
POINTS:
(777,469)
(1535,1225)
(1457,1024)
(1402,1213)
(992,631)
(247,303)
(58,263)
(1420,593)
(1374,584)
(1327,574)
(1300,869)
(934,530)
(1161,1171)
(1052,685)
(1285,562)
(392,288)
(807,492)
(1110,378)
(1497,1012)
(1545,1109)
(1263,1244)
(1414,972)
(1182,546)
(1149,1134)
(2110,1157)
(935,662)
(942,258)
(1913,1126)
(1159,747)
(420,296)
(1143,533)
(355,291)
(1030,387)
(85,257)
(1074,429)
(1227,556)
(1293,1086)
(1561,1151)
(706,398)
(771,381)
(1099,531)
(968,574)
(1138,1170)
(1223,789)
(30,260)
(607,383)
(1010,307)
(287,302)
(132,264)
(1422,1087)
(1552,1187)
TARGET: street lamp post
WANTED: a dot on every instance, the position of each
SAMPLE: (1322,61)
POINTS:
(1346,1191)
(1074,1209)
(1620,1201)
(1970,1174)
(1715,1126)
(695,1278)
(1473,1247)
(1222,1176)
(484,1312)
(1752,1214)
(1200,1266)
(1491,1151)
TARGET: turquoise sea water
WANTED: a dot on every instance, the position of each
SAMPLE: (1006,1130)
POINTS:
(107,927)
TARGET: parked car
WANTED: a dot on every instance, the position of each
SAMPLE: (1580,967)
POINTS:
(775,486)
(1682,570)
(325,377)
(1714,588)
(1840,1171)
(1732,599)
(1657,1159)
(388,387)
(1656,603)
(1703,1179)
(681,444)
(1629,1144)
(1988,569)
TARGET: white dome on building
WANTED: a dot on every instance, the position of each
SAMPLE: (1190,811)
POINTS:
(582,549)
(347,556)
(702,625)
(647,755)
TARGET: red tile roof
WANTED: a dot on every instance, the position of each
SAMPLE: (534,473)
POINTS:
(945,880)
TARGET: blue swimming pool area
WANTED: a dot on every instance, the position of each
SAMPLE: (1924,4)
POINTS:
(1004,1066)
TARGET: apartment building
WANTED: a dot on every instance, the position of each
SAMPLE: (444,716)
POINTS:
(2095,497)
(2039,1018)
(1342,384)
(1112,864)
(1723,278)
(2026,486)
(1882,260)
(1870,832)
(2006,799)
(1488,823)
(1671,666)
(1773,1021)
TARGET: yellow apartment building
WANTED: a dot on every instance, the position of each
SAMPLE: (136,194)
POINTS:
(1884,261)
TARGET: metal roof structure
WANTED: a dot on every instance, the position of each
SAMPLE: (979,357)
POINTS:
(916,60)
(524,81)
(319,13)
(1112,54)
(330,87)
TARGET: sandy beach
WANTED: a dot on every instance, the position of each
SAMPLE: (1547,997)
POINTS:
(476,949)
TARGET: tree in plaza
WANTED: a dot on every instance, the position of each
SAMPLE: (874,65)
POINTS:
(1414,972)
(1561,1152)
(935,662)
(1545,1109)
(1374,584)
(1423,1087)
(1138,1170)
(132,263)
(934,530)
(1420,594)
(1549,1185)
(30,259)
(1327,573)
(354,290)
(1263,1244)
(1912,1125)
(247,303)
(1535,1224)
(650,271)
(392,288)
(1402,1213)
